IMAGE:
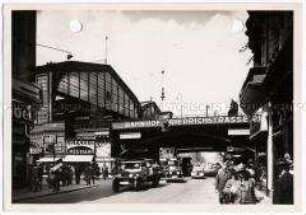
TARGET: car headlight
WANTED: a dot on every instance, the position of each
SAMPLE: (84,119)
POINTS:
(131,175)
(119,175)
(136,175)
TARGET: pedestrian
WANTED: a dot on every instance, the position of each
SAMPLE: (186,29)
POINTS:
(70,174)
(40,175)
(105,172)
(35,178)
(222,177)
(92,173)
(231,188)
(77,173)
(246,194)
(284,183)
(54,179)
(87,175)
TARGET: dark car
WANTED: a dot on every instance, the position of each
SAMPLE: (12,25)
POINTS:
(173,171)
(135,173)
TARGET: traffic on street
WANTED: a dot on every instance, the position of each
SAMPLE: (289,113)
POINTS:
(199,113)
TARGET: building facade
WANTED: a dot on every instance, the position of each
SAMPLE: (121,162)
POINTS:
(149,110)
(79,101)
(25,95)
(268,89)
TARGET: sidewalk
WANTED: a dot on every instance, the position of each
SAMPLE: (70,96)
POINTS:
(26,193)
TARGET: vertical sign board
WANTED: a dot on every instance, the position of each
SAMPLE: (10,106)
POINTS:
(104,150)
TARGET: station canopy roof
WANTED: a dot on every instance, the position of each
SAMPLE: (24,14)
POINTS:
(78,158)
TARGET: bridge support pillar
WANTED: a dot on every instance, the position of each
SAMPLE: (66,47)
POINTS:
(270,157)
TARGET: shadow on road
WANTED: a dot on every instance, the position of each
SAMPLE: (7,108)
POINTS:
(89,194)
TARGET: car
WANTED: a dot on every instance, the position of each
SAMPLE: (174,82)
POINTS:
(197,171)
(173,171)
(211,169)
(135,173)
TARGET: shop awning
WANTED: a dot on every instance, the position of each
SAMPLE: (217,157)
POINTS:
(56,167)
(47,160)
(78,158)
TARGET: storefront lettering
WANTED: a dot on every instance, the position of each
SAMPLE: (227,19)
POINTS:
(22,111)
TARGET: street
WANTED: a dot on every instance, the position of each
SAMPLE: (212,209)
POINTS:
(199,191)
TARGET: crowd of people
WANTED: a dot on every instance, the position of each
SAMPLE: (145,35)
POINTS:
(236,184)
(62,175)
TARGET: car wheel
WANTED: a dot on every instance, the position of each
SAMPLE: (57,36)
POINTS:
(115,186)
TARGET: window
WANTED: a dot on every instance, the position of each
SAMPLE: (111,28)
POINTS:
(126,105)
(63,84)
(121,100)
(101,91)
(131,108)
(114,95)
(84,86)
(74,84)
(93,88)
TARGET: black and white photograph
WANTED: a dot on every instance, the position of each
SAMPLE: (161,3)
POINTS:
(145,105)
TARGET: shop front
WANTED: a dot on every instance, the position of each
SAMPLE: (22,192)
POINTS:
(25,97)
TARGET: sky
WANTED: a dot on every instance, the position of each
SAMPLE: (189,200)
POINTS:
(198,50)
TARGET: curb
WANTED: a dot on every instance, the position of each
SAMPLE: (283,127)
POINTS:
(17,200)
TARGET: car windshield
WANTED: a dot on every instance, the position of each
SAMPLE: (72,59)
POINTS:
(197,167)
(131,165)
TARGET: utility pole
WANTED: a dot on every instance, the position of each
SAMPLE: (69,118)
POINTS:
(106,38)
(181,105)
(206,108)
(162,89)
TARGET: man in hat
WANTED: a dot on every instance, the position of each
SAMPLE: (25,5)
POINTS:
(284,184)
(247,188)
(232,187)
(223,175)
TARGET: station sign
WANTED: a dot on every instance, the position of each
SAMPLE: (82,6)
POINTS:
(183,122)
(134,135)
(238,132)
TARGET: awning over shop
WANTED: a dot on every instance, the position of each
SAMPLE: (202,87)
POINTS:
(78,158)
(56,167)
(47,160)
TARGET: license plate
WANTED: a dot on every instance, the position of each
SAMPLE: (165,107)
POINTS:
(174,176)
(124,183)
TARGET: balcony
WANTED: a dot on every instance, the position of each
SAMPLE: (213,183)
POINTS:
(253,95)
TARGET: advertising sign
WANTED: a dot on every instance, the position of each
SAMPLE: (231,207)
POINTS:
(134,135)
(237,132)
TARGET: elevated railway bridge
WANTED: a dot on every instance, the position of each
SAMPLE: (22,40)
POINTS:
(207,134)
